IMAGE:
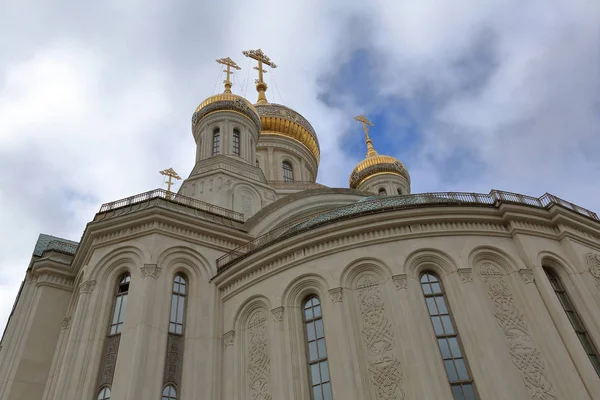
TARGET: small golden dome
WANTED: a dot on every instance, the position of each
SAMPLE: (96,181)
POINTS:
(226,101)
(377,164)
(281,120)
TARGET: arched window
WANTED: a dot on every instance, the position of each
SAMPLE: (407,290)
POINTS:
(118,316)
(216,141)
(177,305)
(399,190)
(169,393)
(457,369)
(104,394)
(318,366)
(382,192)
(236,142)
(288,173)
(574,317)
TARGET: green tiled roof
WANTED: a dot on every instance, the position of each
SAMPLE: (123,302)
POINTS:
(44,241)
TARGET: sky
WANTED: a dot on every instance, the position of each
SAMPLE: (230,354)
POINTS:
(471,95)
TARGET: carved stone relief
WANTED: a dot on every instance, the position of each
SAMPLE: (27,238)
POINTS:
(259,361)
(466,274)
(87,286)
(109,360)
(66,323)
(174,359)
(385,370)
(400,281)
(277,314)
(527,275)
(228,338)
(336,294)
(593,264)
(151,270)
(525,356)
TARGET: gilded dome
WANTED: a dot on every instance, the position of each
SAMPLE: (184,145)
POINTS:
(281,120)
(377,164)
(226,101)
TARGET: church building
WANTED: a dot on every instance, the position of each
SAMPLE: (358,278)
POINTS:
(254,282)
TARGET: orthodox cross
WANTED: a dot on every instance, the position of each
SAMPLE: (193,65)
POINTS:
(230,64)
(366,123)
(262,58)
(171,174)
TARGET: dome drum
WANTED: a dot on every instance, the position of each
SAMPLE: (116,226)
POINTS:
(227,102)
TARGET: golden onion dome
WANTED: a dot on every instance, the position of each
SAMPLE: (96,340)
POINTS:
(226,102)
(374,165)
(281,120)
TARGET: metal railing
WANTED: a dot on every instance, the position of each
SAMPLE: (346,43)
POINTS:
(381,203)
(62,247)
(174,198)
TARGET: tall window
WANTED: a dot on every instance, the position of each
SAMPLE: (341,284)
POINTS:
(236,142)
(382,192)
(288,173)
(318,366)
(457,369)
(118,316)
(169,393)
(574,317)
(216,141)
(399,190)
(177,305)
(104,394)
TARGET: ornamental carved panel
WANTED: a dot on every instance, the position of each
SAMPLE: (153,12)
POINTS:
(259,361)
(385,370)
(174,360)
(109,360)
(593,264)
(525,356)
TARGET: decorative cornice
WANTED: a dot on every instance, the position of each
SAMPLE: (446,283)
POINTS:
(527,275)
(400,281)
(228,338)
(151,270)
(277,314)
(87,286)
(336,294)
(311,245)
(466,274)
(58,281)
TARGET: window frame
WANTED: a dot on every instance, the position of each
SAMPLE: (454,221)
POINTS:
(118,298)
(319,360)
(287,177)
(168,395)
(183,295)
(382,192)
(549,271)
(455,383)
(236,142)
(101,392)
(216,141)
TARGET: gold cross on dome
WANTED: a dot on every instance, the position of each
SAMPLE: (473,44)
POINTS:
(262,58)
(366,123)
(171,174)
(230,64)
